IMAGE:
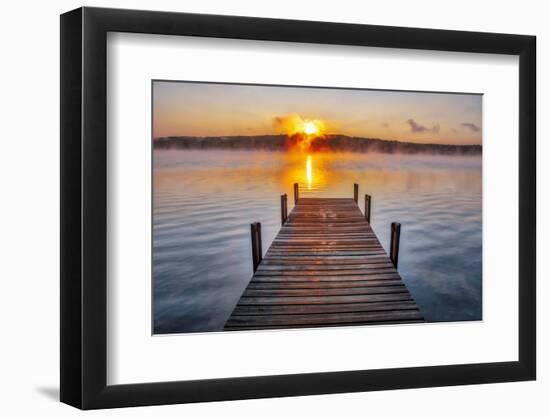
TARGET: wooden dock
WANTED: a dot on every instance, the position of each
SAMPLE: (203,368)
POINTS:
(325,267)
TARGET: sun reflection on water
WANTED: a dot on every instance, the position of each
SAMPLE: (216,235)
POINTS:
(309,172)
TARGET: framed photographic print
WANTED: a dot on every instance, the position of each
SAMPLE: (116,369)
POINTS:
(258,207)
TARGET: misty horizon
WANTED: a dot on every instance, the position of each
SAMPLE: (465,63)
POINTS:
(303,143)
(327,135)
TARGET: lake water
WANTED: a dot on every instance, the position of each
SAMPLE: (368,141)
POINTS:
(204,202)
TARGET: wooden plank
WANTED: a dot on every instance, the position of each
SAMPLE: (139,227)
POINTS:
(322,318)
(336,299)
(327,237)
(323,292)
(323,284)
(332,248)
(292,227)
(310,326)
(341,240)
(241,310)
(321,267)
(333,234)
(324,255)
(328,252)
(274,260)
(324,278)
(322,273)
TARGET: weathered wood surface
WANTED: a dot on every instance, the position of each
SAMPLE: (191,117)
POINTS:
(326,267)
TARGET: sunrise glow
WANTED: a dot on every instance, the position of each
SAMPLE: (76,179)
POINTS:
(310,128)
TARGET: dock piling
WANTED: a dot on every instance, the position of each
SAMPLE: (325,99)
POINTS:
(256,235)
(368,203)
(296,193)
(394,244)
(284,209)
(356,193)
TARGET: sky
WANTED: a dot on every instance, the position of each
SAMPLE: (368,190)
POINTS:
(213,109)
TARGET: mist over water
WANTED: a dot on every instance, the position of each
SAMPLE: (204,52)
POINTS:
(204,202)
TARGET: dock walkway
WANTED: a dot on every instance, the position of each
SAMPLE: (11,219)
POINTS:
(325,267)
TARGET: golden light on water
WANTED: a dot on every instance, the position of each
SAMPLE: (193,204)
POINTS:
(309,171)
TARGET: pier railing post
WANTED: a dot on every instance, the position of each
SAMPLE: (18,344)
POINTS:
(296,193)
(256,235)
(394,243)
(356,193)
(368,202)
(284,209)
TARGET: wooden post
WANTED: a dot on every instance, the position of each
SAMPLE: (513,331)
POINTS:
(284,209)
(296,193)
(256,235)
(394,244)
(368,202)
(356,193)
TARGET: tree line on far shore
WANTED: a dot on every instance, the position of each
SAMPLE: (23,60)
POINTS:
(326,143)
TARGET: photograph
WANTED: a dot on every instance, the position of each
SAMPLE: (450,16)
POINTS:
(292,207)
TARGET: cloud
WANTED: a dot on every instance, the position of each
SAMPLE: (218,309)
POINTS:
(418,128)
(287,124)
(473,127)
(386,125)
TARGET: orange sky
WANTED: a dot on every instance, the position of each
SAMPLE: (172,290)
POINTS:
(214,109)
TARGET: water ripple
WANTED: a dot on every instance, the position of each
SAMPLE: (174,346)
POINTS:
(204,202)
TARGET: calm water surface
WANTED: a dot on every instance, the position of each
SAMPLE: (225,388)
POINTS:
(204,202)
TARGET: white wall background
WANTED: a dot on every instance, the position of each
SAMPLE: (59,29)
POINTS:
(29,225)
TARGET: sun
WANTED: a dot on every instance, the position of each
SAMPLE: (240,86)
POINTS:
(310,128)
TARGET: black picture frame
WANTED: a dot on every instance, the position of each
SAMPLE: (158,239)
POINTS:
(84,207)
